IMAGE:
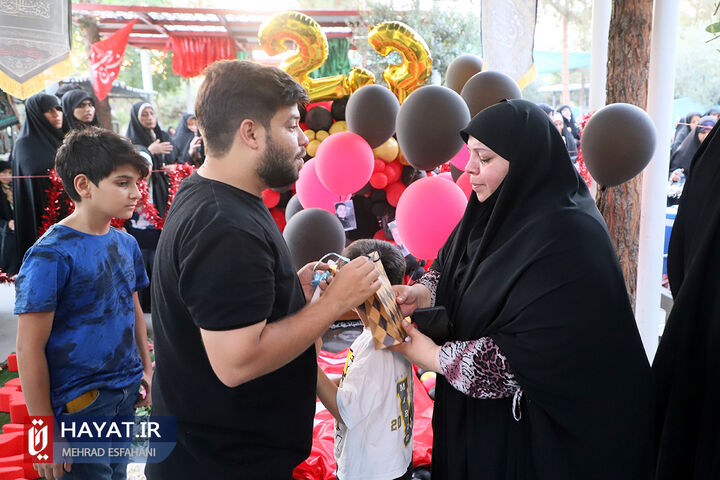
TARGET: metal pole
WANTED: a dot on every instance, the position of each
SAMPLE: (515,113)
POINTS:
(661,86)
(146,72)
(601,11)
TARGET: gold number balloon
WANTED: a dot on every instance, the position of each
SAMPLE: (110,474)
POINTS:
(311,52)
(416,66)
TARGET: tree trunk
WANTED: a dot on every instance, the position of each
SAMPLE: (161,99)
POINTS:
(627,81)
(565,62)
(91,34)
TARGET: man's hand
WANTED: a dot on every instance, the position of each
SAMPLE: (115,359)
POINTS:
(52,470)
(11,224)
(354,283)
(159,148)
(305,274)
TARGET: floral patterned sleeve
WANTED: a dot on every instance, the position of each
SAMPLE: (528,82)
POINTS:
(479,369)
(430,280)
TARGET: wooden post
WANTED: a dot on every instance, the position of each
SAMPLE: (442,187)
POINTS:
(91,34)
(627,81)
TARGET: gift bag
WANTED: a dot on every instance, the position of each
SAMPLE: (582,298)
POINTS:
(383,313)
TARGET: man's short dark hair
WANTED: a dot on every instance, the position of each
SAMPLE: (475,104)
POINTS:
(391,257)
(234,91)
(97,153)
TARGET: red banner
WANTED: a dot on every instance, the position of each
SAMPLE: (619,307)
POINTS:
(106,58)
(192,54)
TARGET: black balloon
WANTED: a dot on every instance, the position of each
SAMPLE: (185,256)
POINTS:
(488,88)
(319,118)
(428,126)
(461,69)
(410,174)
(371,113)
(455,172)
(312,233)
(338,108)
(617,143)
(293,207)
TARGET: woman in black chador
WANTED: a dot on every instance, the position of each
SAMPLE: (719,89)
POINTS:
(144,130)
(687,363)
(544,375)
(79,109)
(33,155)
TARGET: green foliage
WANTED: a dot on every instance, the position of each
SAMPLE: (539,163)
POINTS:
(697,68)
(447,32)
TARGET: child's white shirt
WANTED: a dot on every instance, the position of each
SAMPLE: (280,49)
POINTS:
(375,400)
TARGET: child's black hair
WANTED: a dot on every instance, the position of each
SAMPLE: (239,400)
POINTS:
(390,256)
(97,153)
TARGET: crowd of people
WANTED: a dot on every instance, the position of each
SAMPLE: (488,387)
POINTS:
(542,373)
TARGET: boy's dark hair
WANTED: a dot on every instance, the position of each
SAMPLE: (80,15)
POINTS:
(390,255)
(234,91)
(97,153)
(5,165)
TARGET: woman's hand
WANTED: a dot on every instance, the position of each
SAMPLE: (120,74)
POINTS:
(194,147)
(419,349)
(410,298)
(159,148)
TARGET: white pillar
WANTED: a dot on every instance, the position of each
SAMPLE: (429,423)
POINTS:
(601,11)
(661,86)
(146,72)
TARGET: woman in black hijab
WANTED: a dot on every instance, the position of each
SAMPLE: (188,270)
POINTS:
(569,120)
(186,142)
(684,127)
(34,155)
(144,130)
(79,109)
(544,376)
(682,157)
(687,363)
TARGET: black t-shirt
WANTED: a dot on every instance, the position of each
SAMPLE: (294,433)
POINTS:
(222,264)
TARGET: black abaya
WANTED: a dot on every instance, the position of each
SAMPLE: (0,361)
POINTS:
(687,363)
(140,135)
(182,139)
(682,157)
(33,155)
(534,269)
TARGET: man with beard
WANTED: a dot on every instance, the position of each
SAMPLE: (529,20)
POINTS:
(235,356)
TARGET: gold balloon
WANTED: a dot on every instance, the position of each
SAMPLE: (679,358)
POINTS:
(388,151)
(339,126)
(311,53)
(321,135)
(312,147)
(359,77)
(310,134)
(416,66)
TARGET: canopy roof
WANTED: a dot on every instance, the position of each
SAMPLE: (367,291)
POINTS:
(156,24)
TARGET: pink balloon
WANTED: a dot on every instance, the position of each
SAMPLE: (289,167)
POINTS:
(428,211)
(464,183)
(446,176)
(461,158)
(344,162)
(312,193)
